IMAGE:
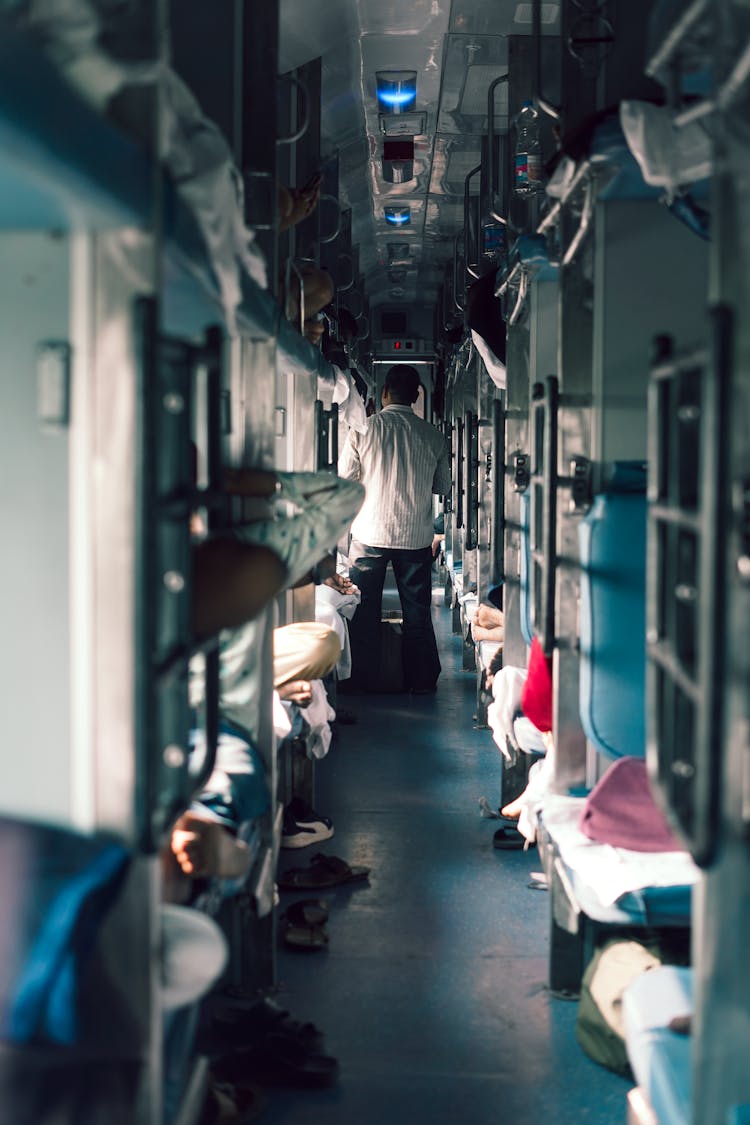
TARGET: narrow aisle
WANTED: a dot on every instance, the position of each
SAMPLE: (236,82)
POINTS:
(432,992)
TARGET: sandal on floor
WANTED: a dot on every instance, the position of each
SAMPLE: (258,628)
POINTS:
(226,1104)
(508,839)
(304,937)
(279,1061)
(247,1025)
(307,912)
(324,871)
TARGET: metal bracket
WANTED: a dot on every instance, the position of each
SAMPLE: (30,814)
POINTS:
(53,362)
(581,493)
(521,472)
(741,506)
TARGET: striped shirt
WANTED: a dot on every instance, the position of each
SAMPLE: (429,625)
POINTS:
(401,460)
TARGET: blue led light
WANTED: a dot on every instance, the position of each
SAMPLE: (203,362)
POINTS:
(398,216)
(397,89)
(400,98)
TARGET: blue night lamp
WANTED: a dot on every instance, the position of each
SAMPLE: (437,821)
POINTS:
(398,216)
(397,90)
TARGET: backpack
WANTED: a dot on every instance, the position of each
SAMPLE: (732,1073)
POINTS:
(599,1026)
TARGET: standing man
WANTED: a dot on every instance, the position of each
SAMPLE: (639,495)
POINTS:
(401,460)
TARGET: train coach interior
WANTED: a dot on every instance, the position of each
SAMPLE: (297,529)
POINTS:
(221,228)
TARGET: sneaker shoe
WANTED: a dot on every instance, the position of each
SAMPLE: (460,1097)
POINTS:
(304,826)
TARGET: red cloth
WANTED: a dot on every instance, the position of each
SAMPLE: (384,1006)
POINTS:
(536,697)
(620,810)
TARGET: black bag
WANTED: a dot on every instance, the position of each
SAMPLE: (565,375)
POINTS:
(391,677)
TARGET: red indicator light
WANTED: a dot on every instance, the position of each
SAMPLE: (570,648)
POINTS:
(396,345)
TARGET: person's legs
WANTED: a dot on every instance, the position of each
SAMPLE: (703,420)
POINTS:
(413,572)
(304,650)
(232,582)
(367,567)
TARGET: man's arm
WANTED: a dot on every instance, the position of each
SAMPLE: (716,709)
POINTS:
(350,466)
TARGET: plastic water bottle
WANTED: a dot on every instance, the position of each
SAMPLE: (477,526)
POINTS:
(528,162)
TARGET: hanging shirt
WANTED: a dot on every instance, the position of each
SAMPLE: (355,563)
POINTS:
(401,460)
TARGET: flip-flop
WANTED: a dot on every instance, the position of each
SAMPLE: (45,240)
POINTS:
(262,1019)
(307,912)
(508,839)
(324,871)
(304,937)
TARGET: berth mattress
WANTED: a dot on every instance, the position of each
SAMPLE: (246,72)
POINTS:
(617,885)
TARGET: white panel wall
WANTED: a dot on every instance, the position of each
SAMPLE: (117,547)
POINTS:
(34,607)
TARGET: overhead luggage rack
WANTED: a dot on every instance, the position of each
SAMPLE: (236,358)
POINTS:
(65,167)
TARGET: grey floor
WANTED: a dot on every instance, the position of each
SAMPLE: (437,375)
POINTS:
(432,991)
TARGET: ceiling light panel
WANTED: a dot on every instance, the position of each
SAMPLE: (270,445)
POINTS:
(524,13)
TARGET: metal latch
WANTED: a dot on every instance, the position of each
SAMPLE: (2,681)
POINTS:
(521,475)
(580,484)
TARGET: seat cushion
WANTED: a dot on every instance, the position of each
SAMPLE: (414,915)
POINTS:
(612,543)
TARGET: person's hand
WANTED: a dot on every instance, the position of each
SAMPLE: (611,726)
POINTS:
(295,204)
(296,691)
(341,583)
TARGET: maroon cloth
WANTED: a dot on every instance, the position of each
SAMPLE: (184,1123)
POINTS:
(621,810)
(536,697)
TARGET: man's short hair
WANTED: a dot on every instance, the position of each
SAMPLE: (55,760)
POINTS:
(402,382)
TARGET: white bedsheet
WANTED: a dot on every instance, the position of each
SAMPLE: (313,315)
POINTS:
(611,872)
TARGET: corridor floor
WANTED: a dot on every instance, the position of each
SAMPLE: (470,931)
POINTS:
(432,990)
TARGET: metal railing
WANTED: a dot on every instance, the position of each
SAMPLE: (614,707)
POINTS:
(326,437)
(498,491)
(543,510)
(168,495)
(471,481)
(687,525)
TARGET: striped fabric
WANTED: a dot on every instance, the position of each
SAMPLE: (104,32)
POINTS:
(401,460)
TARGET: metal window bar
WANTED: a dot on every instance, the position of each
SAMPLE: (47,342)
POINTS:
(498,491)
(471,481)
(494,153)
(449,431)
(471,225)
(458,477)
(326,437)
(685,608)
(543,510)
(166,497)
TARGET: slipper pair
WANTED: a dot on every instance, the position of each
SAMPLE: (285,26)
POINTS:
(279,1061)
(324,871)
(242,1027)
(304,925)
(507,837)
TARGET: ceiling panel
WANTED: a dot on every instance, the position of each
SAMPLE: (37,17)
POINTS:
(457,49)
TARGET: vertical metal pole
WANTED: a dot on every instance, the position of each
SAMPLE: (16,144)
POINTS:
(498,492)
(260,37)
(549,515)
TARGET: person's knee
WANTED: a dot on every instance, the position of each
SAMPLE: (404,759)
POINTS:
(304,650)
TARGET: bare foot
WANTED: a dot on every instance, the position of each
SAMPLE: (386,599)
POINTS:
(206,848)
(482,633)
(513,809)
(296,691)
